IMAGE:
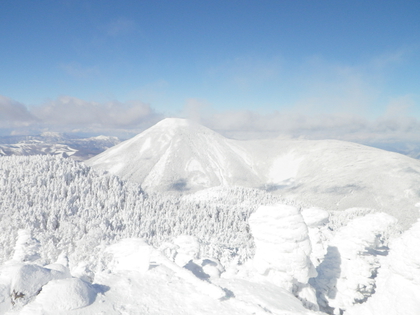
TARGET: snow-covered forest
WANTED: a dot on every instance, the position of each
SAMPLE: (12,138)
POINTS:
(69,208)
(70,235)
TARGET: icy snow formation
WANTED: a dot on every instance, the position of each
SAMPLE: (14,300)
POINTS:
(318,230)
(178,155)
(283,250)
(26,248)
(282,245)
(188,248)
(20,282)
(346,275)
(398,281)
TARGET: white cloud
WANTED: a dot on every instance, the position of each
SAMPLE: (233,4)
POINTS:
(13,113)
(71,111)
(244,124)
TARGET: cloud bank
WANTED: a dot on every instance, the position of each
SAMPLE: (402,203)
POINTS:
(14,114)
(70,114)
(72,111)
(67,114)
(395,125)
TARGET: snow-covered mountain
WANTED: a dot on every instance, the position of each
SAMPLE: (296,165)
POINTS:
(53,143)
(179,155)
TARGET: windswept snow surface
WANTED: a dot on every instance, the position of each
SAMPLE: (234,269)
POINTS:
(179,155)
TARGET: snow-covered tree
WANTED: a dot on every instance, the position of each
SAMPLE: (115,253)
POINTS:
(397,288)
(347,274)
(27,247)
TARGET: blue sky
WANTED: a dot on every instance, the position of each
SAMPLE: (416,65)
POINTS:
(207,59)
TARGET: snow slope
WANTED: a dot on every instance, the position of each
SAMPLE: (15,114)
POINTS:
(179,155)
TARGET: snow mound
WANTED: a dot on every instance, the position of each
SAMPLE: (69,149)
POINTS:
(21,282)
(188,248)
(65,295)
(202,286)
(130,254)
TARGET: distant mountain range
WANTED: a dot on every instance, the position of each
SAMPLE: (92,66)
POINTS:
(53,143)
(181,156)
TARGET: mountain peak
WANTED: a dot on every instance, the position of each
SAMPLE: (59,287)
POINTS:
(174,122)
(180,124)
(177,154)
(172,128)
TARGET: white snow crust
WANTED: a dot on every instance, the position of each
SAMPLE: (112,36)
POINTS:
(130,254)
